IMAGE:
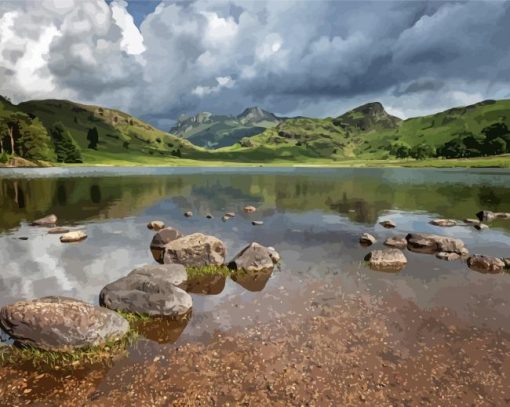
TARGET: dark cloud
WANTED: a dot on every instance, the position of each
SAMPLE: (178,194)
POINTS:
(304,57)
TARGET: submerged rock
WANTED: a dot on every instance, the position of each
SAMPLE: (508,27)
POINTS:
(430,244)
(249,209)
(387,259)
(252,280)
(226,218)
(188,214)
(399,242)
(388,224)
(443,222)
(149,290)
(58,231)
(257,222)
(156,225)
(61,323)
(50,220)
(195,250)
(366,239)
(486,264)
(75,236)
(253,257)
(448,256)
(162,238)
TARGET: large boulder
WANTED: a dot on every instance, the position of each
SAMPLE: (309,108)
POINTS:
(254,257)
(195,250)
(149,290)
(49,221)
(61,323)
(431,244)
(387,259)
(486,264)
(160,240)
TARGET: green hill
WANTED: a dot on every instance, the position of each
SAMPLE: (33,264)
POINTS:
(60,130)
(216,131)
(369,132)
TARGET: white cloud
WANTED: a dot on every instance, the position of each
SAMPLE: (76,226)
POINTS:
(132,40)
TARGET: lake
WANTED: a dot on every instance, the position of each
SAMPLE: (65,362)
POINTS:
(313,217)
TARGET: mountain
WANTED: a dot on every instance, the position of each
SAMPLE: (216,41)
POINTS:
(369,132)
(216,131)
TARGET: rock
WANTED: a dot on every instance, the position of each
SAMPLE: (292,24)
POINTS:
(160,239)
(209,216)
(195,250)
(430,244)
(230,214)
(156,225)
(388,224)
(75,236)
(50,220)
(23,238)
(257,222)
(58,231)
(448,256)
(188,214)
(396,241)
(486,264)
(225,218)
(480,226)
(507,262)
(249,209)
(253,257)
(486,216)
(503,215)
(366,239)
(443,222)
(149,290)
(387,259)
(275,256)
(471,221)
(61,323)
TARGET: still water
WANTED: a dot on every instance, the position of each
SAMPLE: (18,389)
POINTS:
(313,217)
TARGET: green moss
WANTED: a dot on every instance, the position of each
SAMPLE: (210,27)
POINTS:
(39,358)
(194,272)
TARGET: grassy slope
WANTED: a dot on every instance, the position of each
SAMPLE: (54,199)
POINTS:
(115,129)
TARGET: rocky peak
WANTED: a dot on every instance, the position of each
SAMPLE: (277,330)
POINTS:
(256,114)
(367,117)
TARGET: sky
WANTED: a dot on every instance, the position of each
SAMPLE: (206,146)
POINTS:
(160,59)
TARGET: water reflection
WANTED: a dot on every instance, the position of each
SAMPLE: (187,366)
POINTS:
(162,330)
(212,284)
(252,280)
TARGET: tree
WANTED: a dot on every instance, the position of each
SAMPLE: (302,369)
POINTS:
(497,146)
(422,151)
(9,125)
(34,142)
(66,149)
(400,149)
(93,138)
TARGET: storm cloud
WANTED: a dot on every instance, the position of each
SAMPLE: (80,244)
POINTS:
(313,58)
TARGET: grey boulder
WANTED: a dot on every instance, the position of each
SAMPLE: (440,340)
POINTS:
(366,239)
(443,222)
(431,244)
(195,250)
(399,242)
(61,323)
(149,290)
(160,240)
(387,259)
(254,257)
(486,264)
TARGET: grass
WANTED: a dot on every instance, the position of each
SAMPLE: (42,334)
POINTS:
(39,358)
(209,270)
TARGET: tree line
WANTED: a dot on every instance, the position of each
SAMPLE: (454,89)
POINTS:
(25,136)
(493,140)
